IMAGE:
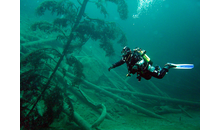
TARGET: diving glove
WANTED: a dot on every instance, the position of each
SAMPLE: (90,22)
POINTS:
(110,68)
(139,77)
(128,75)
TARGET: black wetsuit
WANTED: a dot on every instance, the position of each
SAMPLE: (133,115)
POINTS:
(143,70)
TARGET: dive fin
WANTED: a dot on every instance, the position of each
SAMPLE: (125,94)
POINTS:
(182,66)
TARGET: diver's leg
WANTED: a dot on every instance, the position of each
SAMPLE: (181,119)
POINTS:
(147,77)
(157,72)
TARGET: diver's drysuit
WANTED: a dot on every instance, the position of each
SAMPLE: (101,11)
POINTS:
(137,64)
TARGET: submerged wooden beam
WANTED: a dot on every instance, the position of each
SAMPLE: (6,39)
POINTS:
(172,100)
(84,124)
(73,91)
(81,122)
(101,117)
(50,41)
(122,100)
(165,95)
(185,111)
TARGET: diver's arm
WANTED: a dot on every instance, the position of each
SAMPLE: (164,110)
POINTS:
(116,64)
(121,62)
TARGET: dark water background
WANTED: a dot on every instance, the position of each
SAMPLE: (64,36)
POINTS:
(169,32)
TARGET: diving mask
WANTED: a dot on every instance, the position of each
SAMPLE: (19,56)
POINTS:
(126,50)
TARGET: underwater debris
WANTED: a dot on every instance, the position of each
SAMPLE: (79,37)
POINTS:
(27,38)
(122,8)
(44,97)
(62,7)
(124,101)
(107,46)
(39,57)
(123,40)
(101,7)
(105,32)
(43,26)
(161,98)
(165,109)
(33,77)
(95,29)
(48,27)
(77,68)
(61,22)
(46,5)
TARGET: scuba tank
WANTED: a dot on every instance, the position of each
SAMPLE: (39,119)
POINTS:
(144,55)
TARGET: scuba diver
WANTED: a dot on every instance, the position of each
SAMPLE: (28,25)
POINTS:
(138,62)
